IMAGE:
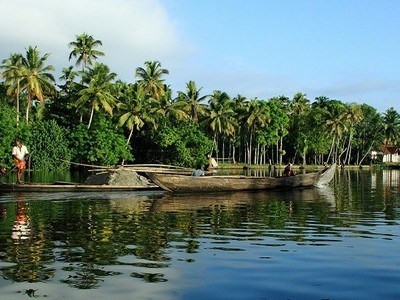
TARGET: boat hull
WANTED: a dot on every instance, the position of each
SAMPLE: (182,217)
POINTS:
(220,183)
(4,187)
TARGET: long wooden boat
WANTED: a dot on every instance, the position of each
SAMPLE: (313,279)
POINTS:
(220,183)
(71,187)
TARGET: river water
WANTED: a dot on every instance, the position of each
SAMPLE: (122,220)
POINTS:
(338,242)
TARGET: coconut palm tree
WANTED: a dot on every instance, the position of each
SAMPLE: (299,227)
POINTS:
(151,78)
(220,119)
(298,110)
(194,102)
(36,81)
(391,121)
(68,75)
(84,50)
(12,72)
(98,93)
(136,110)
(173,108)
(353,115)
(257,117)
(336,122)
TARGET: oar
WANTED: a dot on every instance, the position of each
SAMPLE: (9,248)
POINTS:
(29,166)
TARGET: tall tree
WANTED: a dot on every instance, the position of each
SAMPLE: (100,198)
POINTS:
(12,72)
(220,119)
(391,121)
(369,133)
(151,78)
(36,80)
(298,141)
(353,115)
(257,117)
(194,103)
(336,122)
(98,93)
(172,108)
(84,49)
(135,110)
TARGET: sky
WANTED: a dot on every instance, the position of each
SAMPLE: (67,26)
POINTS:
(347,50)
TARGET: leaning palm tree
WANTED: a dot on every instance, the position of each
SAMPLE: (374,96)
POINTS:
(98,93)
(36,79)
(354,115)
(151,78)
(336,124)
(194,102)
(84,50)
(12,72)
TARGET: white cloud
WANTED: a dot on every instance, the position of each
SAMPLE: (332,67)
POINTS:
(132,31)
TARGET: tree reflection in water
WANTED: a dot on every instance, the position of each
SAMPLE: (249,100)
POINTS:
(83,241)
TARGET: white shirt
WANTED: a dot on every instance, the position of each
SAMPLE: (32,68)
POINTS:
(20,152)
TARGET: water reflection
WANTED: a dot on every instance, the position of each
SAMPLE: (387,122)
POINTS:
(21,229)
(89,241)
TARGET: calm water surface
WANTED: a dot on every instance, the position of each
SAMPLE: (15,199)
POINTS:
(340,242)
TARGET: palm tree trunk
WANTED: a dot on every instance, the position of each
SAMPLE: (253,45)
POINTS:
(130,136)
(331,150)
(250,149)
(280,150)
(28,107)
(91,117)
(17,103)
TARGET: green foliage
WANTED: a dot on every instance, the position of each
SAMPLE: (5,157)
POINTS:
(103,144)
(62,110)
(7,133)
(181,144)
(48,146)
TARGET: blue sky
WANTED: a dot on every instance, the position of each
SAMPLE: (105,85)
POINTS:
(345,50)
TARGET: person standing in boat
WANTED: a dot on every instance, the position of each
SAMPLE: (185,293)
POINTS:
(19,152)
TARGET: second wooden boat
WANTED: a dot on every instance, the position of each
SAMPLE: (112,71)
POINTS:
(219,183)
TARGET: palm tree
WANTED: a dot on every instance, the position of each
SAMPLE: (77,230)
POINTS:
(98,93)
(194,106)
(13,73)
(257,117)
(173,108)
(354,115)
(84,50)
(298,109)
(151,79)
(220,118)
(136,110)
(36,80)
(391,121)
(336,122)
(299,105)
(68,75)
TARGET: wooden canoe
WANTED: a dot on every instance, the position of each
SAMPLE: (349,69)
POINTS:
(220,183)
(71,187)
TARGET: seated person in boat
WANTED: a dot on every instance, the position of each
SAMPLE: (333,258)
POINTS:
(212,163)
(198,171)
(288,171)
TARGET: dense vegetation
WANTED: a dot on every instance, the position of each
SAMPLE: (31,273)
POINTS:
(89,116)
